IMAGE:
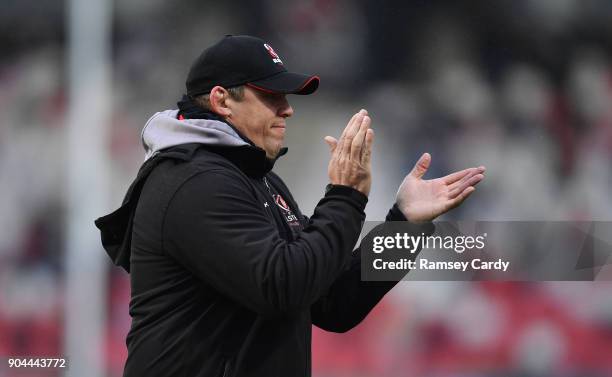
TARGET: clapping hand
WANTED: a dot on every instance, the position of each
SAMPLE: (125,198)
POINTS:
(423,200)
(350,162)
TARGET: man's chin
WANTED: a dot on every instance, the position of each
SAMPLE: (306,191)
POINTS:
(272,149)
(273,154)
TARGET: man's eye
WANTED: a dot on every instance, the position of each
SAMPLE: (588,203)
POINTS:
(273,98)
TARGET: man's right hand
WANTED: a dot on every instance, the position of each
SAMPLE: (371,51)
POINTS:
(351,154)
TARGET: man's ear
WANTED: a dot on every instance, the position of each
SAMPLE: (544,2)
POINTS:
(218,101)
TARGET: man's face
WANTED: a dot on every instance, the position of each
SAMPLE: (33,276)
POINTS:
(260,116)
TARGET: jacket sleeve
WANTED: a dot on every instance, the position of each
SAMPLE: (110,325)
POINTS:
(349,299)
(217,228)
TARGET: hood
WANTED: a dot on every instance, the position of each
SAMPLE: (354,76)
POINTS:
(163,130)
(160,133)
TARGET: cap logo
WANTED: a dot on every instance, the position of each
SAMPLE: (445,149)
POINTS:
(275,58)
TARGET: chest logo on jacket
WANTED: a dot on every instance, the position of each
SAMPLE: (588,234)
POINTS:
(289,216)
(281,202)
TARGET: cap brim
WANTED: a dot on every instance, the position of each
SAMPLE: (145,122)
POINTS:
(287,83)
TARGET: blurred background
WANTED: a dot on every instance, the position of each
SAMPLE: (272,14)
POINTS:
(523,87)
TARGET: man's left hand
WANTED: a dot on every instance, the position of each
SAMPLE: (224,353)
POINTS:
(423,200)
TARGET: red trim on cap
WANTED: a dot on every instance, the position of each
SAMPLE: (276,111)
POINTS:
(262,89)
(273,92)
(308,82)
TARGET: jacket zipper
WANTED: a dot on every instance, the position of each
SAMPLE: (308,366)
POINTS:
(268,204)
(226,369)
(265,181)
(276,215)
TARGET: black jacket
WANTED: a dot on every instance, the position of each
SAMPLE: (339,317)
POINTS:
(227,275)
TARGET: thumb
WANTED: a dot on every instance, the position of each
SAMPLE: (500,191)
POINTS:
(331,142)
(420,168)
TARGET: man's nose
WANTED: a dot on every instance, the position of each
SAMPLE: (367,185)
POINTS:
(285,109)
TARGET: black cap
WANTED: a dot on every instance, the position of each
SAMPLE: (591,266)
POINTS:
(241,59)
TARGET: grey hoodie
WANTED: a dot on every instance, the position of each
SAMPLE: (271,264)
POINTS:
(164,130)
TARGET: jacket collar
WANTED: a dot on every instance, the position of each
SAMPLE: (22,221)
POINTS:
(170,128)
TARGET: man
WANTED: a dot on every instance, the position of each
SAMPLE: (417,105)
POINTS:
(227,275)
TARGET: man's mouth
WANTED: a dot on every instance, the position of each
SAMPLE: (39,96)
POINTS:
(279,128)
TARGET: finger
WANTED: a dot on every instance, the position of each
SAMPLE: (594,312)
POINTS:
(461,198)
(454,177)
(353,128)
(469,173)
(420,168)
(351,131)
(365,145)
(349,124)
(473,181)
(358,140)
(367,150)
(353,125)
(340,144)
(331,142)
